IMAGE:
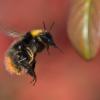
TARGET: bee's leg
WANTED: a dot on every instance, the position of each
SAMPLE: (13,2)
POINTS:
(34,80)
(35,54)
(55,46)
(34,74)
(47,47)
(31,70)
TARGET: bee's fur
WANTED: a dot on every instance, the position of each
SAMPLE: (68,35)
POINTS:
(23,53)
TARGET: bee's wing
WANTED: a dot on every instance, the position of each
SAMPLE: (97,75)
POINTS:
(9,31)
(14,34)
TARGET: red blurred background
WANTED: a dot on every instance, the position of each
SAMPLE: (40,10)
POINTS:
(60,76)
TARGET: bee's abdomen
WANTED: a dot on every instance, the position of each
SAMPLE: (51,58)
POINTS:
(19,54)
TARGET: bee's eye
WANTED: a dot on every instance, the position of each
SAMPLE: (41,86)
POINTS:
(47,38)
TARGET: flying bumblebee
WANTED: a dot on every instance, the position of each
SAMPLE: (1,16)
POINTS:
(21,56)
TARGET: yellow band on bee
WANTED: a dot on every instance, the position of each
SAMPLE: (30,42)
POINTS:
(36,32)
(10,67)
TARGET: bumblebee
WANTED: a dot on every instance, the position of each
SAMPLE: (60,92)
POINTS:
(21,56)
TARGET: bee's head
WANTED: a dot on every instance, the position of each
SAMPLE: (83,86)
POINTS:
(46,36)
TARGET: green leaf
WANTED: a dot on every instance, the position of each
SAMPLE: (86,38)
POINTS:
(83,27)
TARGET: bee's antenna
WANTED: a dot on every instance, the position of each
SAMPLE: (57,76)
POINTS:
(51,26)
(44,26)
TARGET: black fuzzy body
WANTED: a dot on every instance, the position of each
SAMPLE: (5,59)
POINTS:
(19,52)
